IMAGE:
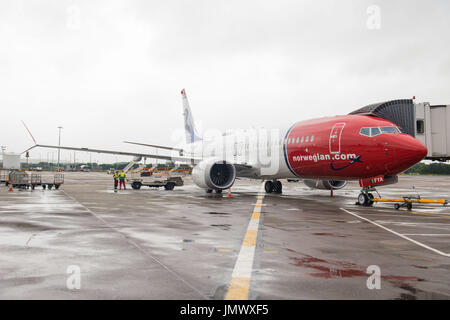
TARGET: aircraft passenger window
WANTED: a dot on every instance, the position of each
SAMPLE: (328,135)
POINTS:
(297,139)
(365,132)
(307,138)
(303,138)
(312,138)
(374,132)
(389,129)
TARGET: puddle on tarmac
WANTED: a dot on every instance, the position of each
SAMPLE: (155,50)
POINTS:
(218,213)
(225,227)
(330,234)
(328,269)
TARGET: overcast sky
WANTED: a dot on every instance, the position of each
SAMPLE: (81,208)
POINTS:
(109,71)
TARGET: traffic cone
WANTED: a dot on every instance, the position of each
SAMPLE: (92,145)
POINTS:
(229,193)
(10,187)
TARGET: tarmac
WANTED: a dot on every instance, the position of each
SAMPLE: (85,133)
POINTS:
(85,241)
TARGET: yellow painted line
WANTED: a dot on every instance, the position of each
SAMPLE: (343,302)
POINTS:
(224,250)
(256,215)
(250,238)
(242,272)
(270,251)
(238,289)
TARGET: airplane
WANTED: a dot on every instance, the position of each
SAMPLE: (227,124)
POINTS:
(325,152)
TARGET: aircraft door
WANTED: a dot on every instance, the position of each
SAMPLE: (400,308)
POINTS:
(335,138)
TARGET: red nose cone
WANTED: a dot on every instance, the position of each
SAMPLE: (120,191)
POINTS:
(408,151)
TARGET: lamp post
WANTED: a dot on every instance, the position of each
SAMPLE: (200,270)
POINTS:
(59,144)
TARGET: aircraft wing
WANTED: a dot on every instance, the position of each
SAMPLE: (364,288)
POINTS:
(123,153)
(156,146)
(243,169)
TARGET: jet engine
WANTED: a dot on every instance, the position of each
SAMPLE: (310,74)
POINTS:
(325,184)
(213,174)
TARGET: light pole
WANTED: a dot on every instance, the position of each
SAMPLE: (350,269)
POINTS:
(59,144)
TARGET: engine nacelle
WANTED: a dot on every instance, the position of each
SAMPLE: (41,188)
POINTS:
(325,184)
(214,174)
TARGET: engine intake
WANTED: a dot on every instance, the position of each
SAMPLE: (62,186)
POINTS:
(325,184)
(214,174)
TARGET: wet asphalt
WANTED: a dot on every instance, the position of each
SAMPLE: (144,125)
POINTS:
(183,244)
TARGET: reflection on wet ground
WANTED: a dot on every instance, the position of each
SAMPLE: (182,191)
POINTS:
(183,244)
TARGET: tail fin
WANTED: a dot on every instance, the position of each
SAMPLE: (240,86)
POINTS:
(189,126)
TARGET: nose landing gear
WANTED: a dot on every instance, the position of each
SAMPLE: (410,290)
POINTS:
(365,198)
(273,186)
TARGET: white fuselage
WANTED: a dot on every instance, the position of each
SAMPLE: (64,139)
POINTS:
(260,149)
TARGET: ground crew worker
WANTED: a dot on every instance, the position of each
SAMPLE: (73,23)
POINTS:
(122,180)
(116,179)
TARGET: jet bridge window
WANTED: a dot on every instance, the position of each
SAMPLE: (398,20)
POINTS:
(420,126)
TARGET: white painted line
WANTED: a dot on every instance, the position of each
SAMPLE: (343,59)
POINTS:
(428,234)
(244,264)
(399,234)
(243,268)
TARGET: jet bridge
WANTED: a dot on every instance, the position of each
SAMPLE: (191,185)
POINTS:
(428,123)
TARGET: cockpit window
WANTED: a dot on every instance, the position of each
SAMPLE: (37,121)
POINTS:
(389,130)
(374,132)
(365,132)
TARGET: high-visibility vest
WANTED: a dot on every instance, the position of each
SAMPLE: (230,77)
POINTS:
(122,174)
(116,176)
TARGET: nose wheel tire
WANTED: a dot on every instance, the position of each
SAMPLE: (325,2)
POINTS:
(370,200)
(363,199)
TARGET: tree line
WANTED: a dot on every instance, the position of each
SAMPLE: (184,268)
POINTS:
(432,168)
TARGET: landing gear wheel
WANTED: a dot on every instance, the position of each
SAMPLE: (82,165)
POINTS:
(56,186)
(409,206)
(370,199)
(32,187)
(268,186)
(136,185)
(169,186)
(396,206)
(363,199)
(44,186)
(50,186)
(277,187)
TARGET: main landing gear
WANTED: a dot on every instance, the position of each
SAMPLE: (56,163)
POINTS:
(273,186)
(365,198)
